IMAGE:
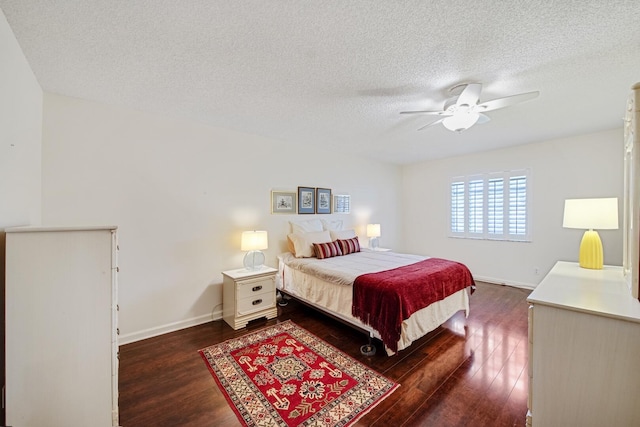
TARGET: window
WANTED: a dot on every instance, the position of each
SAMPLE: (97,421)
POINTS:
(491,206)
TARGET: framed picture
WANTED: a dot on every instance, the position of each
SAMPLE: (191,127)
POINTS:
(342,203)
(323,200)
(283,202)
(306,200)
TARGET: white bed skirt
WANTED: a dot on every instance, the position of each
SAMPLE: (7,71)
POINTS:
(337,300)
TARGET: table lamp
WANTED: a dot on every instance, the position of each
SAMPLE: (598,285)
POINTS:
(373,233)
(591,214)
(254,242)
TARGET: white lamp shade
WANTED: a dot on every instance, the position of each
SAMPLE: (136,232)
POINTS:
(373,230)
(591,214)
(254,241)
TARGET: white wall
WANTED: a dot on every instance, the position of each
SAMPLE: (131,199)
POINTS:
(20,134)
(577,167)
(181,193)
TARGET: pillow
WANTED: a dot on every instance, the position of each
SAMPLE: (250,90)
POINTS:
(327,250)
(349,246)
(306,226)
(332,224)
(342,234)
(290,245)
(303,242)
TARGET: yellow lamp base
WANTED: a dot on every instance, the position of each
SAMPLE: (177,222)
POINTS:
(591,251)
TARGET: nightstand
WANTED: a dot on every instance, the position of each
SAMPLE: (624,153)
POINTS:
(248,295)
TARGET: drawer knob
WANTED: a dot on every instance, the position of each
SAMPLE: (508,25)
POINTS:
(256,288)
(256,302)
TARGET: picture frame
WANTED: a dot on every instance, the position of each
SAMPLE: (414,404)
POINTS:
(342,203)
(283,202)
(306,200)
(323,200)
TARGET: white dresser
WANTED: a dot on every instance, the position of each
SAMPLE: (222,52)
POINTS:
(61,327)
(584,349)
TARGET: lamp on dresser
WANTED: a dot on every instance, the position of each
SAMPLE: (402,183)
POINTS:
(591,215)
(254,242)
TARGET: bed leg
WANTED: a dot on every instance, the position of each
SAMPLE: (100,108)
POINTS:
(368,349)
(282,301)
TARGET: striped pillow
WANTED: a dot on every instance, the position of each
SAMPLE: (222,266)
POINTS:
(349,246)
(326,250)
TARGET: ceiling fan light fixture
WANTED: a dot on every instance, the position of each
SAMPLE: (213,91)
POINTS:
(460,121)
(463,110)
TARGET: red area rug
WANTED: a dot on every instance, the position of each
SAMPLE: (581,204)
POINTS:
(285,376)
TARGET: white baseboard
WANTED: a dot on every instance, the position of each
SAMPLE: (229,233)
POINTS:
(495,281)
(195,321)
(171,327)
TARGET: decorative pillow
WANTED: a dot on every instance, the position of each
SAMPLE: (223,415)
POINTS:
(327,250)
(306,226)
(349,246)
(332,224)
(303,242)
(342,234)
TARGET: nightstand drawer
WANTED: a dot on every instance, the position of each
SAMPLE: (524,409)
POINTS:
(256,303)
(251,287)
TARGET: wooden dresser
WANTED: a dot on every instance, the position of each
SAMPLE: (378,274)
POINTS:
(584,349)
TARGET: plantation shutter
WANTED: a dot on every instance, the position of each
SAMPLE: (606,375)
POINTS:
(457,207)
(518,206)
(490,206)
(476,195)
(495,206)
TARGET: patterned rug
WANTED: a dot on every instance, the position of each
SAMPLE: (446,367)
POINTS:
(283,375)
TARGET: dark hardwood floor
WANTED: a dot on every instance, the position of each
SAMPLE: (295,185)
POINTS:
(470,371)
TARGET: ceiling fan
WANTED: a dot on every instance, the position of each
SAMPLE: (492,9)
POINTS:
(462,112)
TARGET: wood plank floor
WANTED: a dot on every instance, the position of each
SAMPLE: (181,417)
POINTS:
(470,371)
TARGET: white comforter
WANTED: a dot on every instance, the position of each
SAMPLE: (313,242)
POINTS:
(344,269)
(319,282)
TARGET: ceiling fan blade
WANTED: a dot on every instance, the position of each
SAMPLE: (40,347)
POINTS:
(495,104)
(470,95)
(431,124)
(482,118)
(433,113)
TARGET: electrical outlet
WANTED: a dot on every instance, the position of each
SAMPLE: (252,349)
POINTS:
(536,271)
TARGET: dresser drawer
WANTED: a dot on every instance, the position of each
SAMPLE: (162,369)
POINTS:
(256,303)
(249,288)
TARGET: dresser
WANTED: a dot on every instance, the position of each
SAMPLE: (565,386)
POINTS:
(584,349)
(248,295)
(61,327)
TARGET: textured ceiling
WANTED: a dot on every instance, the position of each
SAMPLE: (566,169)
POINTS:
(338,72)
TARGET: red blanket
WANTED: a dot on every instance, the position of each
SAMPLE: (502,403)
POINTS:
(383,300)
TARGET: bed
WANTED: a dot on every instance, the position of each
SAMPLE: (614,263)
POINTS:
(338,282)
